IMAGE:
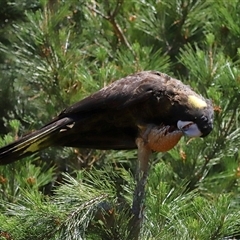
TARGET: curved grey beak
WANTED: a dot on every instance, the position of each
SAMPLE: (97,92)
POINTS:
(189,128)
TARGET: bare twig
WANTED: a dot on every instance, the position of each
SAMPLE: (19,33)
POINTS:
(111,17)
(116,10)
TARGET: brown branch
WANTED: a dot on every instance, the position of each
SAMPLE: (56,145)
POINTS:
(116,27)
(118,31)
(117,9)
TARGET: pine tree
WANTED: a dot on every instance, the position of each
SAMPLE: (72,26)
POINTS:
(54,53)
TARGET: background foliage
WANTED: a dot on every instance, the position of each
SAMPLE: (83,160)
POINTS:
(54,53)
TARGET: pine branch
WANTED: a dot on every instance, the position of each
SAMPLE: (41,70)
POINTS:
(111,17)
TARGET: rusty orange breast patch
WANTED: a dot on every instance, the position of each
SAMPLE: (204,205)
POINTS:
(161,140)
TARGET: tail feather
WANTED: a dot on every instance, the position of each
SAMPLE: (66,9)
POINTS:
(32,142)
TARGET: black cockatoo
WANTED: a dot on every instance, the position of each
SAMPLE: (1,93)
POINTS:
(138,106)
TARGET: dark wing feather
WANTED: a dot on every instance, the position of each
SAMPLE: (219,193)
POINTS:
(107,118)
(120,94)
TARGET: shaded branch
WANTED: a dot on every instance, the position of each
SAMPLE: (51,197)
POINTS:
(111,18)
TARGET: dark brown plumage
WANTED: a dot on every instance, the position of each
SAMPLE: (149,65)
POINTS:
(110,118)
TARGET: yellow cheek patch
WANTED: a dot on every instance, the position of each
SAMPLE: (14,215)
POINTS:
(196,102)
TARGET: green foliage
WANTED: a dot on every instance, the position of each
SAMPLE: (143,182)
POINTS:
(81,203)
(175,214)
(54,53)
